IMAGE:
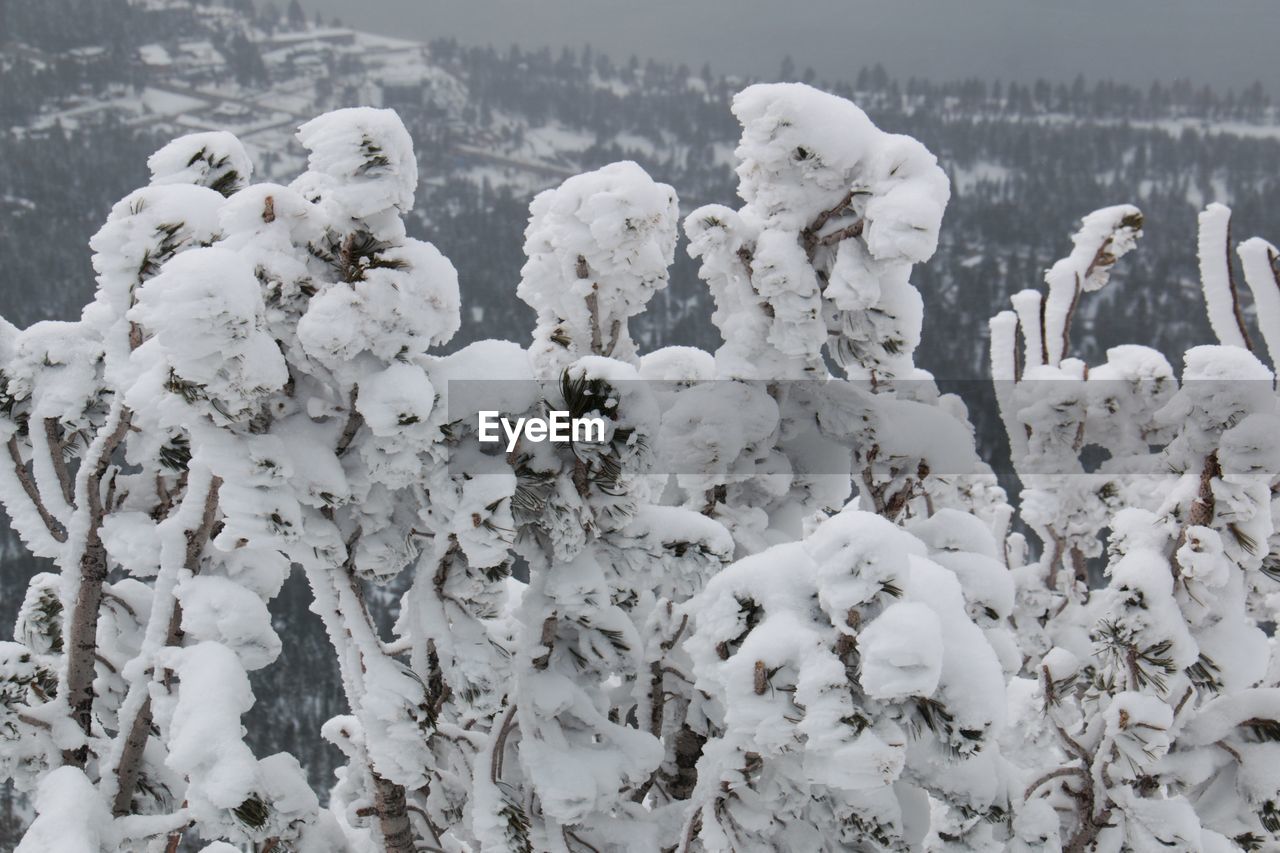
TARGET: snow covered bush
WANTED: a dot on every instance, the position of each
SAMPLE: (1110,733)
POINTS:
(770,607)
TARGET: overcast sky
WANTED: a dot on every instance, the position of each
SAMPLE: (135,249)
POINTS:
(1226,43)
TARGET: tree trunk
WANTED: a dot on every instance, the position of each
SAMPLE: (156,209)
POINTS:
(393,815)
(82,645)
(82,637)
(689,746)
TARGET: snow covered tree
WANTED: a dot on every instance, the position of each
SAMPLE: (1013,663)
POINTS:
(857,698)
(1053,407)
(816,265)
(1172,631)
(1144,711)
(581,743)
(837,211)
(831,728)
(253,364)
(768,608)
(103,484)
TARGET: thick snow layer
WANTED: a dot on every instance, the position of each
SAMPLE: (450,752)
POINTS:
(780,666)
(1216,279)
(1260,262)
(598,248)
(402,307)
(361,167)
(215,159)
(205,742)
(219,609)
(705,452)
(1104,236)
(395,399)
(836,213)
(901,652)
(146,224)
(803,149)
(1216,719)
(678,365)
(486,375)
(206,315)
(911,430)
(1220,386)
(70,817)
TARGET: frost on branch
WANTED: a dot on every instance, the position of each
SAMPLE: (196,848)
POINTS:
(361,170)
(816,265)
(222,436)
(1261,264)
(1217,279)
(208,334)
(1104,237)
(1173,629)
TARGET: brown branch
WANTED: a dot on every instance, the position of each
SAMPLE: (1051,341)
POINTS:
(1079,566)
(1044,337)
(760,678)
(809,236)
(500,744)
(56,530)
(1050,776)
(597,336)
(1236,310)
(548,639)
(668,645)
(569,834)
(435,831)
(691,830)
(811,240)
(1066,323)
(175,837)
(1073,746)
(53,435)
(657,697)
(351,427)
(1055,559)
(1202,509)
(33,722)
(854,230)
